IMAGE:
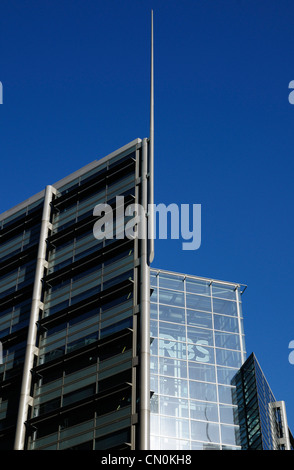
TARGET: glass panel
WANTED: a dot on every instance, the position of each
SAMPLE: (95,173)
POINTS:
(196,286)
(203,431)
(168,443)
(174,407)
(173,367)
(101,431)
(76,440)
(171,282)
(225,375)
(198,302)
(170,330)
(227,340)
(153,280)
(174,427)
(68,186)
(198,335)
(154,364)
(78,395)
(154,347)
(203,410)
(171,298)
(200,446)
(153,311)
(112,440)
(225,357)
(47,397)
(202,391)
(222,322)
(172,314)
(173,386)
(154,383)
(154,328)
(203,372)
(227,414)
(45,440)
(154,295)
(81,383)
(224,291)
(11,246)
(14,217)
(225,394)
(230,435)
(225,307)
(68,432)
(195,318)
(47,387)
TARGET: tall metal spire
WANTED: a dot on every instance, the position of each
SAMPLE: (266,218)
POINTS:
(151,152)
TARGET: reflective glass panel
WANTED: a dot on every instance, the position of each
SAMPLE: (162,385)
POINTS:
(224,291)
(197,286)
(199,371)
(174,407)
(171,282)
(226,307)
(204,431)
(226,323)
(198,302)
(230,435)
(173,367)
(227,340)
(195,318)
(172,314)
(203,410)
(202,391)
(168,297)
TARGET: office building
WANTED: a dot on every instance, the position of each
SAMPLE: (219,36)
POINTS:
(73,323)
(102,352)
(262,419)
(197,348)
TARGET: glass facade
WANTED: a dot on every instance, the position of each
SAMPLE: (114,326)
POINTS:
(262,420)
(74,312)
(83,378)
(18,252)
(197,348)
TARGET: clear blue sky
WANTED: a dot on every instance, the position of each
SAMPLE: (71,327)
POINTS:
(75,76)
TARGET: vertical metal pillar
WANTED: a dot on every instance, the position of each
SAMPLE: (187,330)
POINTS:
(243,353)
(280,436)
(31,349)
(144,313)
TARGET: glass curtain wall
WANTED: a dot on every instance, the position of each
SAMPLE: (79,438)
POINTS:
(84,386)
(19,237)
(197,347)
(261,423)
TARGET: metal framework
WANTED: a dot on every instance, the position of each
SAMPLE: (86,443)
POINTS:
(31,348)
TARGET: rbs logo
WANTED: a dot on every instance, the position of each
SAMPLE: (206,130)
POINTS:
(178,350)
(291,96)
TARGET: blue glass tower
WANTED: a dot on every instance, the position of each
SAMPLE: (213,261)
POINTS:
(262,419)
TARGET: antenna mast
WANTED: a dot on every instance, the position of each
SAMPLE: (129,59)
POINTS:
(151,152)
